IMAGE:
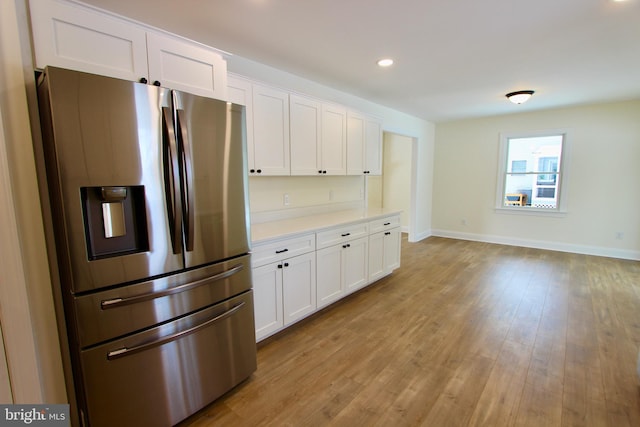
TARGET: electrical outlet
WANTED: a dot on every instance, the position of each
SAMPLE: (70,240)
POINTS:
(286,199)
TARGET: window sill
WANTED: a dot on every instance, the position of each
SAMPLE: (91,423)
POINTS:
(531,212)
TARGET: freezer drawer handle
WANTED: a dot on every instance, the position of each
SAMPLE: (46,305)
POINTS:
(121,352)
(119,302)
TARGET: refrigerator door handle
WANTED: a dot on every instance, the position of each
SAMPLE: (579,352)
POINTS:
(171,180)
(188,177)
(121,352)
(119,302)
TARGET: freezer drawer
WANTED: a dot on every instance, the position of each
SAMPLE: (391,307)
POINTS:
(161,376)
(109,314)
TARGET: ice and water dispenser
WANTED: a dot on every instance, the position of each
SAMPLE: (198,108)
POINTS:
(115,220)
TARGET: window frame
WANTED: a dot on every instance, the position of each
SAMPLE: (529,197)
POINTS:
(562,174)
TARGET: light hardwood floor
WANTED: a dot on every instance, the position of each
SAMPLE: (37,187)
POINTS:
(464,333)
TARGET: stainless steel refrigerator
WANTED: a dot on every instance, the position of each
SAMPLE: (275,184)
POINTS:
(147,223)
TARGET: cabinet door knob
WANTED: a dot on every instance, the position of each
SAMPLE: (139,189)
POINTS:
(156,83)
(324,171)
(259,171)
(279,265)
(143,80)
(286,264)
(252,170)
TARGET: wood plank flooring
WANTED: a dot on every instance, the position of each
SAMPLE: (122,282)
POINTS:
(463,334)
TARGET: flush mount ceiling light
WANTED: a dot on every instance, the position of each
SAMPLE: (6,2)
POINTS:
(519,96)
(385,62)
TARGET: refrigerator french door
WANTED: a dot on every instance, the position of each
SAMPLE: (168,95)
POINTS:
(149,224)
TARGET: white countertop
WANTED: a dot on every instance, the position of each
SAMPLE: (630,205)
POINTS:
(307,224)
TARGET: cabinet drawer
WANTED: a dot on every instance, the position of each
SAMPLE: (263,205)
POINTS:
(274,251)
(384,223)
(336,236)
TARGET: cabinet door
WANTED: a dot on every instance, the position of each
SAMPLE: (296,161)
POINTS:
(183,65)
(267,293)
(305,114)
(329,278)
(334,140)
(239,91)
(72,36)
(271,130)
(298,287)
(373,146)
(355,143)
(376,256)
(355,272)
(391,249)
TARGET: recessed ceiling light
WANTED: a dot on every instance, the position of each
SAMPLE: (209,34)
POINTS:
(385,62)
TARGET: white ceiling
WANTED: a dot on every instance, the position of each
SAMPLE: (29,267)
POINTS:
(453,58)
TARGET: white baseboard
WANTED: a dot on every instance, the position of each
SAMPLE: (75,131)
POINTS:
(419,236)
(541,244)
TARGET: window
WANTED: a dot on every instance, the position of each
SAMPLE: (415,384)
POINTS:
(531,172)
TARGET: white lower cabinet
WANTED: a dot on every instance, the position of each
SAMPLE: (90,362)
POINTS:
(284,292)
(267,295)
(294,277)
(356,272)
(298,287)
(342,269)
(284,282)
(329,284)
(384,253)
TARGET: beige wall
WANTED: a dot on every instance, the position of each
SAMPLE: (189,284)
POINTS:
(603,174)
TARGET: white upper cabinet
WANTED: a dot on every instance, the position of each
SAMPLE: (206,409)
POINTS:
(73,36)
(355,143)
(182,65)
(240,91)
(364,144)
(334,140)
(70,36)
(373,146)
(270,131)
(305,116)
(318,137)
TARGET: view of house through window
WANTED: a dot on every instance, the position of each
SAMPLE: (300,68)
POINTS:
(532,172)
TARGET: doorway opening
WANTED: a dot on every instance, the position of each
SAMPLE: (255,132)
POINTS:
(395,188)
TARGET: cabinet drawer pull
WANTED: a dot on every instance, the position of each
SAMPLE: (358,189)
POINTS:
(346,246)
(387,233)
(282,251)
(387,223)
(346,234)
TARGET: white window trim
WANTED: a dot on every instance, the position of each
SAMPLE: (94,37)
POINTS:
(561,210)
